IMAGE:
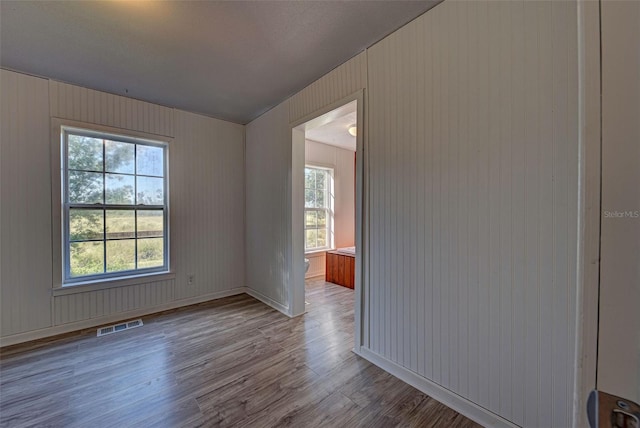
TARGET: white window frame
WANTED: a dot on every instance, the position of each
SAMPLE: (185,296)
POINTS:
(62,207)
(328,209)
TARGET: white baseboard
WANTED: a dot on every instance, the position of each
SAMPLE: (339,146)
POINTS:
(443,395)
(268,301)
(120,316)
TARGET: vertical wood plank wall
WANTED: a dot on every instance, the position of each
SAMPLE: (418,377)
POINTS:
(333,86)
(206,173)
(87,105)
(102,303)
(268,177)
(317,264)
(472,151)
(473,203)
(207,200)
(268,199)
(94,107)
(472,147)
(619,335)
(25,270)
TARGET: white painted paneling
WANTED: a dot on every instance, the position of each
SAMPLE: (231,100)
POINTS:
(268,204)
(589,207)
(87,105)
(207,204)
(619,333)
(102,303)
(317,264)
(473,152)
(333,86)
(268,177)
(206,183)
(343,163)
(25,207)
(206,187)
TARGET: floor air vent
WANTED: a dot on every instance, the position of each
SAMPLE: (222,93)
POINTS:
(119,327)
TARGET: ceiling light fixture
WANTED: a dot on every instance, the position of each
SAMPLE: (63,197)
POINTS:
(353,130)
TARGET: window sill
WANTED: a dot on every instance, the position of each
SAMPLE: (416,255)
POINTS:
(102,284)
(317,253)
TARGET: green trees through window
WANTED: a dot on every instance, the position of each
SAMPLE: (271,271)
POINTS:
(114,205)
(317,208)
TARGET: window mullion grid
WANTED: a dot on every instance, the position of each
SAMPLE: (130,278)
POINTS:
(104,204)
(165,224)
(117,206)
(135,201)
(103,208)
(65,204)
(315,210)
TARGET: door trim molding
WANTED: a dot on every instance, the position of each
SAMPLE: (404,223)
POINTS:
(589,207)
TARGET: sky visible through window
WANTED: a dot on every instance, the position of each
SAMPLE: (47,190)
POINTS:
(115,206)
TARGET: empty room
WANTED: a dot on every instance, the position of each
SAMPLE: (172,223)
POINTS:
(320,213)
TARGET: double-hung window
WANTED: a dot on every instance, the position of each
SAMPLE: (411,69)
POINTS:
(318,208)
(114,205)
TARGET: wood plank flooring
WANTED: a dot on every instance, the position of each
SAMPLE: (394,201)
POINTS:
(234,362)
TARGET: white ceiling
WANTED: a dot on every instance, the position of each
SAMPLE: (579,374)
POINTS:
(228,59)
(336,132)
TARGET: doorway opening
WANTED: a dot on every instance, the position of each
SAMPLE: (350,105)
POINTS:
(327,189)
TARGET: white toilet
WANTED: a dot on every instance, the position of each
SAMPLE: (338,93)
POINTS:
(306,265)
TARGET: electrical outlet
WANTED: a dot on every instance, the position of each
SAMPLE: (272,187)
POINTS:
(191,279)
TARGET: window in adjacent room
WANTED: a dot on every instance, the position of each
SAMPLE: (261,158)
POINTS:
(114,206)
(318,208)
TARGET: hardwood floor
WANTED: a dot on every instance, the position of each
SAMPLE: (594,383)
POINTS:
(231,362)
